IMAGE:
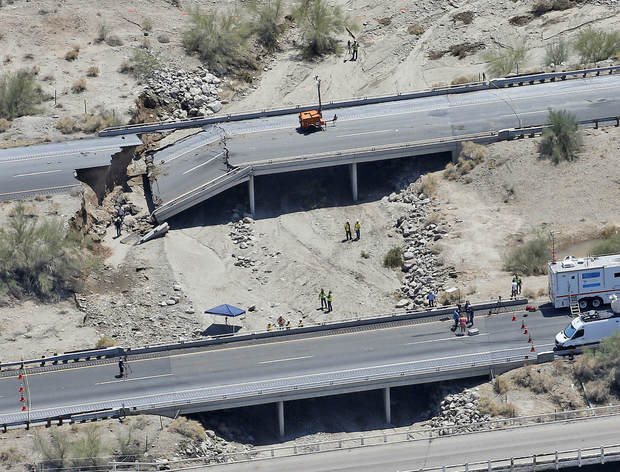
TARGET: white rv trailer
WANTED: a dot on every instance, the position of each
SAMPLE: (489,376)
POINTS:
(590,281)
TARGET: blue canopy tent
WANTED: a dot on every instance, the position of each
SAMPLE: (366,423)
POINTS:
(225,310)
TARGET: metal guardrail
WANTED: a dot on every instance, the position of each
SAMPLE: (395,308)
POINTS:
(67,357)
(416,434)
(264,113)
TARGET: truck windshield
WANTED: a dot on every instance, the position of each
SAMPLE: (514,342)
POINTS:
(569,331)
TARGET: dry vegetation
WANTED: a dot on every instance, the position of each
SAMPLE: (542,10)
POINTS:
(190,429)
(470,156)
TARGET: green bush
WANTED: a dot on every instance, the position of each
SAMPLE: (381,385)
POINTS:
(39,258)
(18,95)
(55,450)
(143,63)
(561,140)
(600,368)
(319,22)
(530,258)
(556,52)
(597,45)
(610,245)
(503,61)
(219,40)
(267,24)
(88,448)
(393,258)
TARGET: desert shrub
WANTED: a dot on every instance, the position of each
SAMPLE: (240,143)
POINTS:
(435,54)
(113,40)
(561,140)
(529,293)
(610,245)
(493,408)
(93,71)
(567,399)
(53,450)
(104,342)
(163,38)
(143,63)
(100,120)
(4,125)
(393,258)
(464,79)
(543,6)
(501,385)
(503,61)
(189,428)
(556,52)
(451,298)
(319,22)
(465,16)
(18,95)
(103,31)
(427,185)
(67,125)
(125,67)
(529,258)
(73,54)
(39,257)
(415,29)
(520,20)
(594,45)
(463,50)
(147,24)
(470,156)
(218,40)
(10,457)
(364,255)
(88,448)
(597,391)
(387,21)
(267,24)
(128,446)
(79,85)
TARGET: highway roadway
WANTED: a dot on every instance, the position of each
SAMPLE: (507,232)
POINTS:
(239,365)
(447,450)
(49,168)
(200,159)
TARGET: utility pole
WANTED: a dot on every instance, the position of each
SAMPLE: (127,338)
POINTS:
(318,86)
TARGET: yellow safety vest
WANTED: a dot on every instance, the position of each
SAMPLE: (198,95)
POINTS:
(357,226)
(330,298)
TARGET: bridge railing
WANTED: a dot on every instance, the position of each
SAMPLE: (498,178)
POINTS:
(443,90)
(414,434)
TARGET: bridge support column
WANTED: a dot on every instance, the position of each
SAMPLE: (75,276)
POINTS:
(353,173)
(456,152)
(280,406)
(388,406)
(251,192)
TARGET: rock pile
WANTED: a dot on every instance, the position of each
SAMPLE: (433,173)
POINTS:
(242,232)
(179,94)
(423,269)
(459,410)
(213,448)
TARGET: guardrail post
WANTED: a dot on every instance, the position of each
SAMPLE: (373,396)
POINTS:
(512,463)
(556,460)
(617,121)
(534,462)
(579,456)
(273,453)
(489,466)
(602,454)
(595,124)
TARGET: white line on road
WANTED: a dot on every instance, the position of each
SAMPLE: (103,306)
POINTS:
(366,132)
(39,173)
(284,360)
(129,380)
(203,164)
(446,339)
(39,190)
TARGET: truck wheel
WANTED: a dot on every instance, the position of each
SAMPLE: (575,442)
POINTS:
(583,303)
(596,302)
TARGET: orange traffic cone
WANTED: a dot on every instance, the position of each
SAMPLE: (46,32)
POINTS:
(532,350)
(523,325)
(24,408)
(529,339)
(21,389)
(22,399)
(526,331)
(20,376)
(514,318)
